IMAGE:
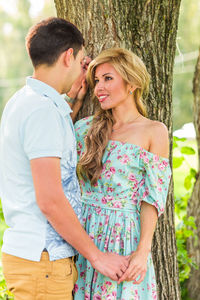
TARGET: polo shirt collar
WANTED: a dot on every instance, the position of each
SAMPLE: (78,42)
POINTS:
(46,90)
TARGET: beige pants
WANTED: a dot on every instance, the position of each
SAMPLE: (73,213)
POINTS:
(43,280)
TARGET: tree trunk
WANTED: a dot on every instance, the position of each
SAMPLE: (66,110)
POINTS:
(193,208)
(148,28)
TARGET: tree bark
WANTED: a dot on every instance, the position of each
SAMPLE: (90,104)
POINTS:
(193,208)
(148,28)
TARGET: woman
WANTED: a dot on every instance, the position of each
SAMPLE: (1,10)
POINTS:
(124,175)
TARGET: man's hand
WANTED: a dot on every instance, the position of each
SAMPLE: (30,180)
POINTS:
(137,268)
(111,265)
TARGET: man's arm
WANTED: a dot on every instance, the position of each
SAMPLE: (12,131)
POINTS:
(55,206)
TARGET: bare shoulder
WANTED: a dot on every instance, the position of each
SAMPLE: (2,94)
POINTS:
(158,138)
(157,127)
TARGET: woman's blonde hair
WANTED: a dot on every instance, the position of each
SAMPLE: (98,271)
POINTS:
(133,72)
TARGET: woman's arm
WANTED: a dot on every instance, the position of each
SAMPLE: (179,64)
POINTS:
(77,99)
(78,90)
(136,271)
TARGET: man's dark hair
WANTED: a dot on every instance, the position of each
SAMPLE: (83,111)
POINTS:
(49,38)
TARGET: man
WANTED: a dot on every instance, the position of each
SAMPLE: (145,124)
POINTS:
(40,192)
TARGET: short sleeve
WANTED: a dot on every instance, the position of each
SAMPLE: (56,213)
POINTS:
(81,129)
(42,134)
(155,184)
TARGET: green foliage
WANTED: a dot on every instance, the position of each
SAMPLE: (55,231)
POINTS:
(188,41)
(184,226)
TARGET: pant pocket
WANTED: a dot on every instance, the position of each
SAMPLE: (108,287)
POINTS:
(22,286)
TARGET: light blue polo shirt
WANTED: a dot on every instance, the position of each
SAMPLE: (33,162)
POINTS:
(35,123)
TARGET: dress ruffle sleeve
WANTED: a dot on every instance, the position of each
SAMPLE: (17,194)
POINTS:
(155,183)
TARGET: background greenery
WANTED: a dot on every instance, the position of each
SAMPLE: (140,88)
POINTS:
(15,66)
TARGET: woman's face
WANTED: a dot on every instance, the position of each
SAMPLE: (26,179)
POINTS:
(110,89)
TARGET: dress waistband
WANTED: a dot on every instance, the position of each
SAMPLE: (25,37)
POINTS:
(89,201)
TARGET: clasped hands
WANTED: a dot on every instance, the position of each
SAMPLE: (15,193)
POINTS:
(123,268)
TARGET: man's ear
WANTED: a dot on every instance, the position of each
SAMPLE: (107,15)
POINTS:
(68,56)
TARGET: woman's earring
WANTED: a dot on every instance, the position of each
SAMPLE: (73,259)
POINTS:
(130,92)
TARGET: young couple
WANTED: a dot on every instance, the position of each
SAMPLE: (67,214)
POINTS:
(123,172)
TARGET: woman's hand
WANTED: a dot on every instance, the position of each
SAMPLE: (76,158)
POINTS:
(79,87)
(137,267)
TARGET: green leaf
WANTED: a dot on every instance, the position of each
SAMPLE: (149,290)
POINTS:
(187,182)
(177,161)
(176,139)
(175,145)
(187,150)
(193,173)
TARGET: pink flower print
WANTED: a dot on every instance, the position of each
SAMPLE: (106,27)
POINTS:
(96,297)
(109,297)
(99,238)
(117,238)
(142,182)
(109,198)
(165,163)
(117,204)
(80,145)
(82,182)
(107,219)
(134,195)
(109,189)
(88,193)
(91,235)
(160,181)
(87,296)
(136,296)
(98,210)
(117,225)
(76,288)
(82,274)
(146,193)
(161,167)
(95,184)
(131,177)
(146,160)
(95,277)
(142,154)
(108,174)
(135,239)
(104,289)
(155,158)
(106,243)
(119,184)
(104,168)
(104,200)
(108,282)
(134,201)
(124,159)
(160,189)
(121,244)
(156,205)
(114,294)
(112,170)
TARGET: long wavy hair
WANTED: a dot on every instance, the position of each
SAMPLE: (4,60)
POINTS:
(133,72)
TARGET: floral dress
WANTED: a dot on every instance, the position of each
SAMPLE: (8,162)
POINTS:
(111,213)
